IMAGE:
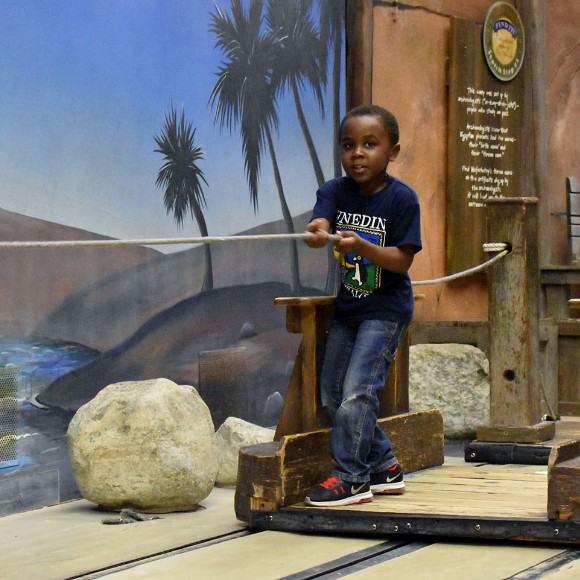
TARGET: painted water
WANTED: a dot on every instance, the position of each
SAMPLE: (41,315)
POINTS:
(41,473)
(40,361)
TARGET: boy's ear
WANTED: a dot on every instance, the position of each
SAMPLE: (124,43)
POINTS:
(394,152)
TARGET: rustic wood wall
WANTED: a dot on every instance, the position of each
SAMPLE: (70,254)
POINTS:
(409,76)
(409,63)
(562,31)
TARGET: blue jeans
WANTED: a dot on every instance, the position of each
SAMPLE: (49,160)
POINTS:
(356,364)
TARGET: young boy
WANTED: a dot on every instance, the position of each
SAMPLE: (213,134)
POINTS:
(377,217)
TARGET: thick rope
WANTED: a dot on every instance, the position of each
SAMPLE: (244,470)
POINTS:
(157,242)
(489,247)
(500,247)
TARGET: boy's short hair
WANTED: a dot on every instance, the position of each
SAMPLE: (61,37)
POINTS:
(387,119)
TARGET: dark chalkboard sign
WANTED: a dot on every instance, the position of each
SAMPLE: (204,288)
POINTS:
(484,160)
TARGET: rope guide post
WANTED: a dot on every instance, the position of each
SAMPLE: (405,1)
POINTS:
(515,369)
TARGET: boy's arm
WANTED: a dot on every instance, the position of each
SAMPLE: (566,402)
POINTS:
(320,228)
(393,258)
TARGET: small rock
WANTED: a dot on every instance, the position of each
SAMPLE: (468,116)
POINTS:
(273,408)
(233,434)
(248,331)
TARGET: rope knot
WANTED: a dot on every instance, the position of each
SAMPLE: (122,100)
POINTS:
(495,247)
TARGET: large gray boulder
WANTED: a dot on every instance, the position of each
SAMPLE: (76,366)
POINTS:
(148,445)
(453,378)
(232,435)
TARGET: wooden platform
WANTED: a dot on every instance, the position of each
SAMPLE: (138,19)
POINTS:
(457,499)
(451,498)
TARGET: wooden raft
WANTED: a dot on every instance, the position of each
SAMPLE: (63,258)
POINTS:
(277,474)
(468,500)
(457,499)
(280,473)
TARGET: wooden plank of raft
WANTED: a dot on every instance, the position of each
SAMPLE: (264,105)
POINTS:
(309,316)
(429,508)
(507,492)
(521,473)
(482,485)
(276,474)
(564,482)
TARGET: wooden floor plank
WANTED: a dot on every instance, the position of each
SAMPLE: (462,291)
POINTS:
(508,472)
(499,491)
(538,483)
(256,557)
(444,561)
(70,539)
(430,507)
(467,490)
(468,499)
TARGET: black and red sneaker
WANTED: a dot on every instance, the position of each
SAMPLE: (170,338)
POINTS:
(389,482)
(335,492)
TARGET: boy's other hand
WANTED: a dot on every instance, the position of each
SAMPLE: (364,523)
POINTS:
(350,242)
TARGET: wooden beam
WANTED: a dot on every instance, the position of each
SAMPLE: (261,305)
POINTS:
(359,52)
(564,482)
(302,409)
(535,150)
(514,284)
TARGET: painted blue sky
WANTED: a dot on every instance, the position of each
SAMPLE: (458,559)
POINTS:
(85,87)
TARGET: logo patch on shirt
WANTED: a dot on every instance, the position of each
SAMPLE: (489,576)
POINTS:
(359,275)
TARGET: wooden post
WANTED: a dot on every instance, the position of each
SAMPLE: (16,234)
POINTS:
(302,410)
(564,481)
(534,150)
(514,284)
(359,52)
(395,395)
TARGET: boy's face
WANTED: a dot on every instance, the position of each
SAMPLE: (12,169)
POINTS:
(366,152)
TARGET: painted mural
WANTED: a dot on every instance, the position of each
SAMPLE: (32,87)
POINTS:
(156,120)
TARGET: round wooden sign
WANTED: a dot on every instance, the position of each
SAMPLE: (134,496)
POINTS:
(503,41)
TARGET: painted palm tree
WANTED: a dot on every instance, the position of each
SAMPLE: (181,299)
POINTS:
(332,22)
(181,178)
(244,96)
(297,63)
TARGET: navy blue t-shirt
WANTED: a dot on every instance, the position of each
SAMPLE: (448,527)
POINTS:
(390,217)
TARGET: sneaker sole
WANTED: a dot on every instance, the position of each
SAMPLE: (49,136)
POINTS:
(388,489)
(360,498)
